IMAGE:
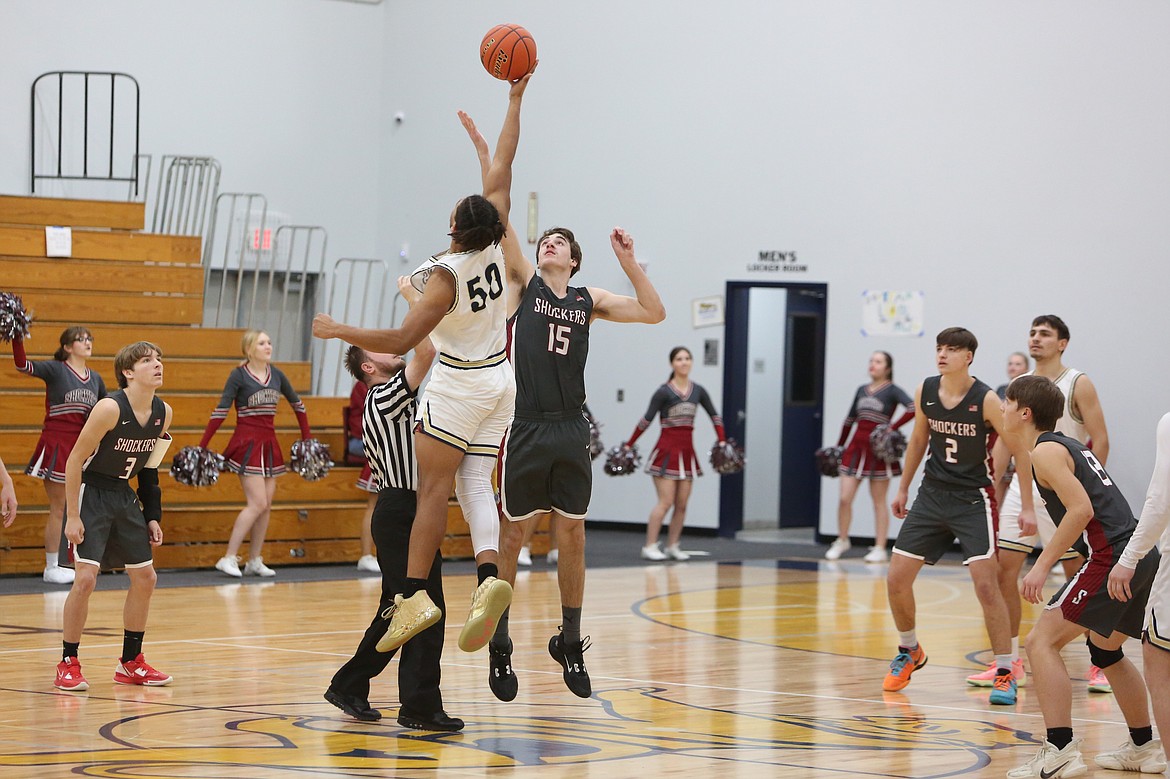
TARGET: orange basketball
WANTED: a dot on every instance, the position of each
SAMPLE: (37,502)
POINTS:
(508,52)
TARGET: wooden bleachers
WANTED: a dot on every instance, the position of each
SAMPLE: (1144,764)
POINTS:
(118,279)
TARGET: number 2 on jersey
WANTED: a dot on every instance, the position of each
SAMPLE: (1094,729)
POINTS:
(495,287)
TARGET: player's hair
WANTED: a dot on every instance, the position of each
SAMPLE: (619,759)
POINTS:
(68,336)
(127,356)
(354,357)
(889,364)
(1053,321)
(477,224)
(574,247)
(959,337)
(249,340)
(1042,396)
(674,353)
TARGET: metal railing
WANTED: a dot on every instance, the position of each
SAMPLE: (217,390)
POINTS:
(188,188)
(67,114)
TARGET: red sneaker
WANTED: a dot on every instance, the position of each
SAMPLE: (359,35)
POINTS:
(69,676)
(138,671)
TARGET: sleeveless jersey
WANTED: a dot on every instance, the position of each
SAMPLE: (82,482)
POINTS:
(548,344)
(124,450)
(958,455)
(1113,522)
(1068,424)
(474,331)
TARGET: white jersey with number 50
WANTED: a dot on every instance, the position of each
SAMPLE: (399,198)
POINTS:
(475,327)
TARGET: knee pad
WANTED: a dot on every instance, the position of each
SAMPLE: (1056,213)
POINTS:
(1103,658)
(473,488)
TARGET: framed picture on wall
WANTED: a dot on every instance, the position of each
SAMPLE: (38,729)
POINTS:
(707,312)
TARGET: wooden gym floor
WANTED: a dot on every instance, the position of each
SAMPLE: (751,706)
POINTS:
(761,668)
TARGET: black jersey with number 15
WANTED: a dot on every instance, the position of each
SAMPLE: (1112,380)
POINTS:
(958,456)
(124,450)
(548,346)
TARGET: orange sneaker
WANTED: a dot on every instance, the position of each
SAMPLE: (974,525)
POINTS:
(906,662)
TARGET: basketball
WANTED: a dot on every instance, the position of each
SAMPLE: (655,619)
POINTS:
(508,52)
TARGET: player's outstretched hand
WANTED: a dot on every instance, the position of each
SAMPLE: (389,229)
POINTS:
(407,290)
(623,245)
(520,84)
(1032,585)
(324,326)
(1119,579)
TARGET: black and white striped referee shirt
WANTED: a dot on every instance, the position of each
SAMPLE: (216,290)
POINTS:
(387,424)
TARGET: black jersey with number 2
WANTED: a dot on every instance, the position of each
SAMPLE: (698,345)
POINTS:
(124,450)
(548,347)
(958,456)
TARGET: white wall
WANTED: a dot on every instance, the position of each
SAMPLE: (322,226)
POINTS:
(1007,158)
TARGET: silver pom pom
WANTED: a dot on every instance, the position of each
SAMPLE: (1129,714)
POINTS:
(622,460)
(14,320)
(310,459)
(887,444)
(727,457)
(197,467)
(829,460)
(595,445)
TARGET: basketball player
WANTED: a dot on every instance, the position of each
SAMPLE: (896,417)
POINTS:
(468,402)
(105,525)
(1083,502)
(387,418)
(955,413)
(1149,757)
(1023,522)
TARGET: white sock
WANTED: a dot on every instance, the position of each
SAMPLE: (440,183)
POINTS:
(473,487)
(908,638)
(51,559)
(1003,661)
(1015,648)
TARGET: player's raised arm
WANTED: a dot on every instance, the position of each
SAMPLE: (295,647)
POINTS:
(646,306)
(436,300)
(497,184)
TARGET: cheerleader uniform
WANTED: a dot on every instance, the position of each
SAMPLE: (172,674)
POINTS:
(69,397)
(870,409)
(674,456)
(253,449)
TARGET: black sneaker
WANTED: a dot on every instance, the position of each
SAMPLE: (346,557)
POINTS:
(501,678)
(438,720)
(358,708)
(571,657)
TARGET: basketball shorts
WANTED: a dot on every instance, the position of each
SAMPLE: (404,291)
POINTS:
(1084,599)
(1010,537)
(1158,607)
(545,466)
(116,535)
(469,409)
(940,517)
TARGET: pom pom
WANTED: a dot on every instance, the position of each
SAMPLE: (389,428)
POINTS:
(197,467)
(310,459)
(829,460)
(887,444)
(14,320)
(595,445)
(622,460)
(727,457)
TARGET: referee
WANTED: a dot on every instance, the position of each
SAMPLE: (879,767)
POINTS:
(387,419)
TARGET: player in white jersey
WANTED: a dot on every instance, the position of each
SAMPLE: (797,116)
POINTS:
(468,402)
(1024,524)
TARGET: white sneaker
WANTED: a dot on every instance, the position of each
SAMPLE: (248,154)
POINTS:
(674,553)
(838,548)
(229,565)
(55,574)
(525,557)
(876,554)
(652,552)
(1148,758)
(368,562)
(1052,763)
(553,556)
(256,567)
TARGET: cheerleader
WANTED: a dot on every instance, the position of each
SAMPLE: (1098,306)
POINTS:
(71,392)
(255,387)
(673,462)
(873,405)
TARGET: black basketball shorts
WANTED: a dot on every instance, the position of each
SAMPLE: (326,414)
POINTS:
(545,466)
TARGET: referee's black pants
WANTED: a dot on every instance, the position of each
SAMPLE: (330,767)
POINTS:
(418,667)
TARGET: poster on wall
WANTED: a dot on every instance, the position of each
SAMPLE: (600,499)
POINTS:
(889,312)
(707,312)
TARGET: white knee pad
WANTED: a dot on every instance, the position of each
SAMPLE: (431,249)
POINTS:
(473,487)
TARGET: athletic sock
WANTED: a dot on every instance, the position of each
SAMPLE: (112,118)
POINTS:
(1060,737)
(1003,662)
(908,639)
(132,644)
(1140,736)
(1015,648)
(571,624)
(484,570)
(69,649)
(51,559)
(412,586)
(500,637)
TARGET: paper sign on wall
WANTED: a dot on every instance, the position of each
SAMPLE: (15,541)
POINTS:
(886,312)
(58,242)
